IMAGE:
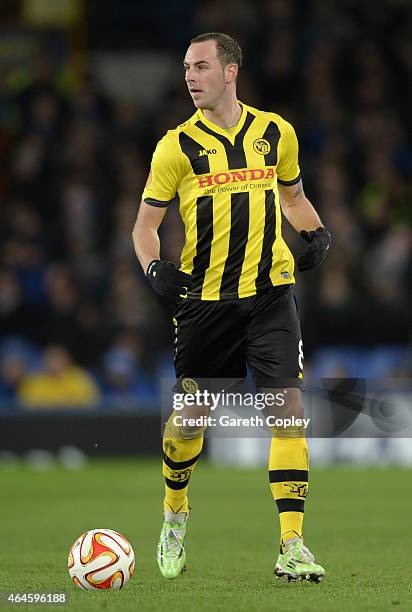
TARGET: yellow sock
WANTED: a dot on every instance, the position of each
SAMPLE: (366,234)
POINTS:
(179,460)
(291,525)
(288,477)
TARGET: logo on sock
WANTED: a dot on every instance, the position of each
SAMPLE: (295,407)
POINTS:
(301,490)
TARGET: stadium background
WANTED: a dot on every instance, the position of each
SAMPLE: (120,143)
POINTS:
(87,90)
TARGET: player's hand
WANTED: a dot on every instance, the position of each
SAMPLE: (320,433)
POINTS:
(167,280)
(319,244)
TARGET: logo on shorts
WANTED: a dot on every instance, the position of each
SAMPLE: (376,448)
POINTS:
(285,274)
(189,385)
(261,146)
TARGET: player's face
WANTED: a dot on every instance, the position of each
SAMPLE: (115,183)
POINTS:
(204,74)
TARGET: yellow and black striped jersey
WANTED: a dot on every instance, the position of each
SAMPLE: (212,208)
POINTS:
(226,184)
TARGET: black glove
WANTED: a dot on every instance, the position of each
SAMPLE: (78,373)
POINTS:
(319,243)
(167,280)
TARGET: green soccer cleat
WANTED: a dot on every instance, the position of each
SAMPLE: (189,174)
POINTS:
(298,563)
(171,556)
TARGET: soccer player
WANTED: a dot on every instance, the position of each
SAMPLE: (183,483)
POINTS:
(233,170)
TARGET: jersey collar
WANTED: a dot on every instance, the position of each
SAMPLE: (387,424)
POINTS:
(219,130)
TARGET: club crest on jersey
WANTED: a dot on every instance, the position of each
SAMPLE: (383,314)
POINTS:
(261,146)
(207,152)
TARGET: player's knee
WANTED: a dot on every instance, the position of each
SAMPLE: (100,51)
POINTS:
(188,432)
(294,408)
(291,406)
(183,426)
(193,423)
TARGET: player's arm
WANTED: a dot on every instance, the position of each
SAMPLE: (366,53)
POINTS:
(295,205)
(297,208)
(165,278)
(304,219)
(165,174)
(145,234)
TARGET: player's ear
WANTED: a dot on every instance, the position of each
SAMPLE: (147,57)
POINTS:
(231,72)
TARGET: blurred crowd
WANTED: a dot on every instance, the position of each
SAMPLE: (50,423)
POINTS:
(74,302)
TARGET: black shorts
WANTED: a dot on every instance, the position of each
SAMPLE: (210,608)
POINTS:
(216,339)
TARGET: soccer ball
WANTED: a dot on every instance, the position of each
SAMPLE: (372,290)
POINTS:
(101,559)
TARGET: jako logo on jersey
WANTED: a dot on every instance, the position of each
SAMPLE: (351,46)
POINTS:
(235,176)
(261,146)
(207,152)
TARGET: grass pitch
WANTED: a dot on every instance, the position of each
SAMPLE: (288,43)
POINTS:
(357,524)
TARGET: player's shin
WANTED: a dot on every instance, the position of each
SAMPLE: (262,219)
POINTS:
(288,478)
(181,450)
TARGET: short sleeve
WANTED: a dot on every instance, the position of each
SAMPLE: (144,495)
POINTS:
(165,174)
(288,165)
